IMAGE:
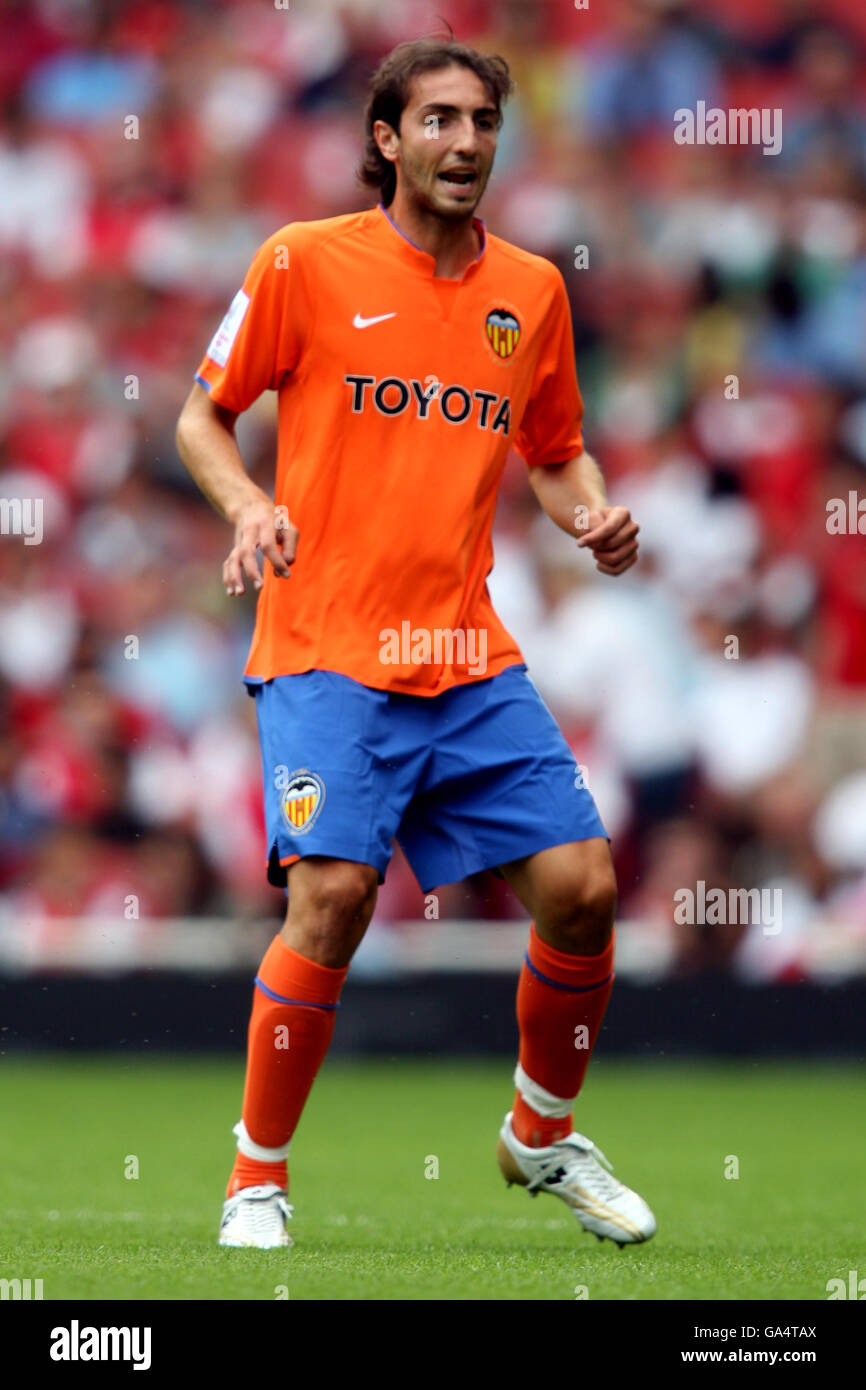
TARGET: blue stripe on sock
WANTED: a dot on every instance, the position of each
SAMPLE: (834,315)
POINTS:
(570,989)
(281,998)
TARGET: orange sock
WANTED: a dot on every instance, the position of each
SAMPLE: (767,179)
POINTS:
(561,1001)
(292,1021)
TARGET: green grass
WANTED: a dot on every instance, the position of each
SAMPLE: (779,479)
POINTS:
(369,1225)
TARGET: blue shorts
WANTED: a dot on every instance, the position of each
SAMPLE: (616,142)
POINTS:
(466,780)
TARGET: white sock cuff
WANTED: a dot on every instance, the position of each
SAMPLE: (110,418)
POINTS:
(250,1149)
(550,1107)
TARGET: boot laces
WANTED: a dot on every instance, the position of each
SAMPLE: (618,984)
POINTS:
(608,1186)
(260,1211)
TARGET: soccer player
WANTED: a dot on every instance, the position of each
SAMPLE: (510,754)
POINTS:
(410,350)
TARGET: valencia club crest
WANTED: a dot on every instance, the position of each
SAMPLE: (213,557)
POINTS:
(302,801)
(503,333)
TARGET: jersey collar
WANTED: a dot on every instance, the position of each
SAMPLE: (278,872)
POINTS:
(413,254)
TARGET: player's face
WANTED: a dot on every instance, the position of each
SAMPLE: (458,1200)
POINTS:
(447,142)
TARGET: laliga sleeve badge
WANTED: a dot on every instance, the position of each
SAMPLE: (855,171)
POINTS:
(221,342)
(302,801)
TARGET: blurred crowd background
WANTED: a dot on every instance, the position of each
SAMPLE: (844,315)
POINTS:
(715,697)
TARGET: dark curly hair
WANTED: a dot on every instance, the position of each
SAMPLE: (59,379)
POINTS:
(389,94)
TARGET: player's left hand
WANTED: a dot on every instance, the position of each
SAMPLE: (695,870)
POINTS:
(612,538)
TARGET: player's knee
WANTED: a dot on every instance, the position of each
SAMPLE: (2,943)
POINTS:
(332,895)
(598,901)
(580,917)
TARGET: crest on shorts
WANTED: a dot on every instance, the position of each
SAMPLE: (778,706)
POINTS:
(503,332)
(303,800)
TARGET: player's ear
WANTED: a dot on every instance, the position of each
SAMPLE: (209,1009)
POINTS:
(387,139)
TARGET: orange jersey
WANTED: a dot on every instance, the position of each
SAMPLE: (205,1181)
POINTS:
(400,395)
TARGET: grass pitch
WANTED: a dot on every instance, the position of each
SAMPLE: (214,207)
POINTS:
(369,1221)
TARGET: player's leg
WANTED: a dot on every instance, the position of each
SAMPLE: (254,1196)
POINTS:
(337,773)
(502,792)
(565,983)
(569,892)
(296,996)
(295,999)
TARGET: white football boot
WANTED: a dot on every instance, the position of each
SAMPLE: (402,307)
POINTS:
(256,1216)
(572,1169)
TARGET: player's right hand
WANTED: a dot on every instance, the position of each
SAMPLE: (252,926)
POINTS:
(259,526)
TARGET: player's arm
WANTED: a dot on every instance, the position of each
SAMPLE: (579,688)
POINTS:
(573,495)
(206,443)
(564,477)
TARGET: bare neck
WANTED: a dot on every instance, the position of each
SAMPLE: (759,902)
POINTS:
(453,245)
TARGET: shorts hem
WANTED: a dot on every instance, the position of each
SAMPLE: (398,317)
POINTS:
(492,862)
(278,862)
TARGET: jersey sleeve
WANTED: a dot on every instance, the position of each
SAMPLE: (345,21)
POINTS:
(551,430)
(261,335)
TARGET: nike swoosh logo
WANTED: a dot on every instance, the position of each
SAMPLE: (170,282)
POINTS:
(368,323)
